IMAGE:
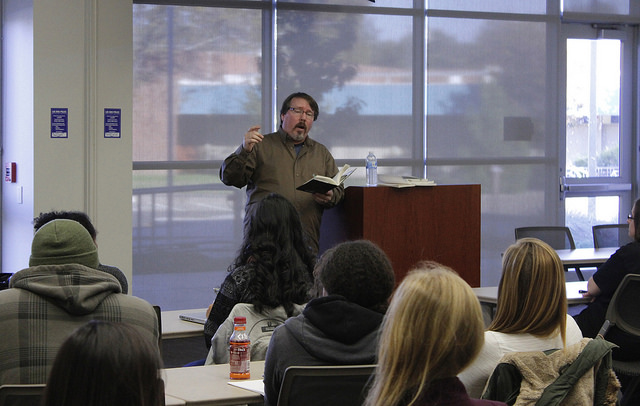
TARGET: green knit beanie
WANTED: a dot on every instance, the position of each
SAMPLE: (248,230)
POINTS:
(63,241)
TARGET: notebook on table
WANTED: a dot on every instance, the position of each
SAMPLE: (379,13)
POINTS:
(199,316)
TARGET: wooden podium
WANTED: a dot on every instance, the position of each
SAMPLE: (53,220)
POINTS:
(439,223)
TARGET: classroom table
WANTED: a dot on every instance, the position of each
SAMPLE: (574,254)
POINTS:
(488,297)
(171,401)
(209,385)
(489,294)
(585,257)
(173,327)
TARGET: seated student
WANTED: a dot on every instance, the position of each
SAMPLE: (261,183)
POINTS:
(603,284)
(83,219)
(60,291)
(531,313)
(432,330)
(601,287)
(273,268)
(340,328)
(105,364)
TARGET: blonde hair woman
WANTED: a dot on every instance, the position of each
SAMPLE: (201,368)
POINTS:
(532,310)
(432,330)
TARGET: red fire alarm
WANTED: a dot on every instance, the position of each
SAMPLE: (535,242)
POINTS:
(10,172)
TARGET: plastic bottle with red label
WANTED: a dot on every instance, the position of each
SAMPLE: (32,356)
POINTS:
(239,350)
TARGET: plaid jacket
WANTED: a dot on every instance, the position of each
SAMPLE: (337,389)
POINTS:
(45,303)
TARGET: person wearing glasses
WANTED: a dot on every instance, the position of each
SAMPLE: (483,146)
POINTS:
(279,162)
(603,284)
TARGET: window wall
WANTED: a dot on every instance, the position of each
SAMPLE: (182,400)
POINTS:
(457,91)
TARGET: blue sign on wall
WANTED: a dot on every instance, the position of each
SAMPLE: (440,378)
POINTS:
(59,123)
(112,123)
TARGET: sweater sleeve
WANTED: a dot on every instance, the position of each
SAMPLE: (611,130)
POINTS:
(219,351)
(237,168)
(331,170)
(609,275)
(227,297)
(475,376)
(574,334)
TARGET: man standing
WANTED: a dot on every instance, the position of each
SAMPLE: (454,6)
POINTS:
(281,161)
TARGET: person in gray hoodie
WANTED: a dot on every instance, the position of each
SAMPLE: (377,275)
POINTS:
(61,290)
(342,327)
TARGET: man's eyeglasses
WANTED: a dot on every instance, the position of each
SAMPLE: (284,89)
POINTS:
(630,216)
(300,112)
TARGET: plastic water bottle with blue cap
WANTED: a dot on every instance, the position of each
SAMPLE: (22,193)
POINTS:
(372,169)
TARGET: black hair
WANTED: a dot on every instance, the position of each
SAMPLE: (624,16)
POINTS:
(78,216)
(276,256)
(360,271)
(636,219)
(103,364)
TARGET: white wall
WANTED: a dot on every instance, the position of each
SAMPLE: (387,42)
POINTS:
(17,130)
(81,60)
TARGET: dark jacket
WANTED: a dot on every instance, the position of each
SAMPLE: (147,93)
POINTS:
(624,261)
(330,331)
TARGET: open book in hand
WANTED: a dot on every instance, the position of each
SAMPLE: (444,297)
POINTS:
(323,184)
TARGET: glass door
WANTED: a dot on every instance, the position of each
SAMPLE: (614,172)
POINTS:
(595,184)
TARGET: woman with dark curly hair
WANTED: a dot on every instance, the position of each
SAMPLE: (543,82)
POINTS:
(274,266)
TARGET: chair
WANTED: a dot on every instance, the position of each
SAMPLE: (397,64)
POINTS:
(343,385)
(21,395)
(623,314)
(4,280)
(559,238)
(611,235)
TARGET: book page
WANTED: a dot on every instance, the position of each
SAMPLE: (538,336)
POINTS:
(340,172)
(254,385)
(346,174)
(322,184)
(325,179)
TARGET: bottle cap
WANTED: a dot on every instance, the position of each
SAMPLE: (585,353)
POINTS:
(240,320)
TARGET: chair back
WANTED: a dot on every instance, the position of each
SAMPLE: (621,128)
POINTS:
(4,280)
(344,385)
(622,313)
(21,395)
(559,238)
(623,308)
(610,235)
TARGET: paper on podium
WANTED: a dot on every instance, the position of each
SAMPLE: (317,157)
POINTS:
(403,181)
